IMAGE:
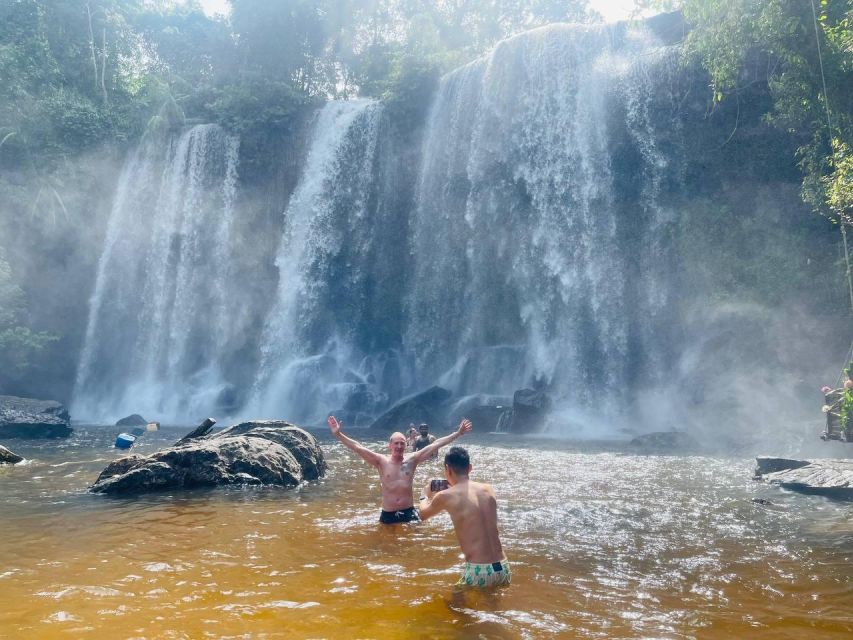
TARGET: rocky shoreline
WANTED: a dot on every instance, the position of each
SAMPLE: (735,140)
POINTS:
(31,418)
(832,478)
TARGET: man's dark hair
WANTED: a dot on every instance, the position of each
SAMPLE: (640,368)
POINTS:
(457,459)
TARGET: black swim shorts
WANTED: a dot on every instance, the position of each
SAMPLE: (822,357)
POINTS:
(404,515)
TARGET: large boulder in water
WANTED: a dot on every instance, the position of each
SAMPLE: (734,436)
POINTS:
(7,457)
(133,420)
(530,408)
(265,452)
(428,406)
(30,418)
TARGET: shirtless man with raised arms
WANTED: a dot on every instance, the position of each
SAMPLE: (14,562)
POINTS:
(473,509)
(397,471)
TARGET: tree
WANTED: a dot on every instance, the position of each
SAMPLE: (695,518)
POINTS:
(804,53)
(18,343)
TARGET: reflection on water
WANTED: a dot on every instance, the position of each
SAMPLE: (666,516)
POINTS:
(603,545)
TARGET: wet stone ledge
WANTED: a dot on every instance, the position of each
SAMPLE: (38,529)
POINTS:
(832,478)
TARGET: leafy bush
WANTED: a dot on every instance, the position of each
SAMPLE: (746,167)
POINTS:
(18,344)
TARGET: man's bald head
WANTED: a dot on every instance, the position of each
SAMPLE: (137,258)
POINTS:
(397,445)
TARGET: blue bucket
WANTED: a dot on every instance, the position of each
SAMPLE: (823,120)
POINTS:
(125,441)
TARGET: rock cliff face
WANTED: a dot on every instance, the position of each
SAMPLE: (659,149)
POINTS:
(29,418)
(253,453)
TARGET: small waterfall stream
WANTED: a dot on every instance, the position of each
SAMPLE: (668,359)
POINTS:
(306,346)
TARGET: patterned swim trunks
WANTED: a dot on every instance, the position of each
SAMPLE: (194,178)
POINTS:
(492,574)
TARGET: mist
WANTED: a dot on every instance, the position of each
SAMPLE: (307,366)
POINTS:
(485,202)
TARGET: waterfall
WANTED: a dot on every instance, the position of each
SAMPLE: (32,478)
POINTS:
(309,355)
(528,242)
(519,236)
(159,320)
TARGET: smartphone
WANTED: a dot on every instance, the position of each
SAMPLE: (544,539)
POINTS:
(436,485)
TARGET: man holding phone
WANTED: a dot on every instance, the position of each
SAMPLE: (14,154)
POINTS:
(473,509)
(397,471)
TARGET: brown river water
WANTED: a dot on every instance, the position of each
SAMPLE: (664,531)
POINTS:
(603,544)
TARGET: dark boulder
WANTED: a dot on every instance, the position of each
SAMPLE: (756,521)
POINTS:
(134,420)
(30,418)
(364,398)
(252,453)
(530,408)
(484,411)
(301,444)
(484,417)
(664,442)
(353,418)
(428,406)
(766,464)
(200,431)
(7,457)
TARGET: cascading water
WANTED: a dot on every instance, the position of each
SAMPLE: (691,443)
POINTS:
(519,233)
(537,250)
(159,325)
(309,356)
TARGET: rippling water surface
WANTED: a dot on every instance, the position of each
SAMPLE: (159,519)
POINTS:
(603,545)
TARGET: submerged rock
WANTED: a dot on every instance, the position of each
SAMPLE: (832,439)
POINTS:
(664,442)
(133,420)
(825,477)
(31,418)
(265,452)
(483,410)
(429,406)
(766,464)
(7,457)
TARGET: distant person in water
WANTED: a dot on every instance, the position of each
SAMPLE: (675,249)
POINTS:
(424,439)
(473,509)
(411,436)
(397,471)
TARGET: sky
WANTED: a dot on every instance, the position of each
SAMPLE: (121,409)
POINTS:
(612,10)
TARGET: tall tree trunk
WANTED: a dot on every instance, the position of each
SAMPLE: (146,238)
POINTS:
(92,45)
(104,65)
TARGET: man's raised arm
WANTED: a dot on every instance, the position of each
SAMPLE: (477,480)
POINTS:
(370,457)
(464,427)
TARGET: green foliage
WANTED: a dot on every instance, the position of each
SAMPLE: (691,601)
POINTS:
(846,413)
(839,183)
(808,70)
(18,344)
(254,104)
(408,87)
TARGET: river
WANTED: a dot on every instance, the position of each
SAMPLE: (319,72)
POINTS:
(603,544)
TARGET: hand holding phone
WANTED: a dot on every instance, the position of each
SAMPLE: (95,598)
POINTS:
(436,485)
